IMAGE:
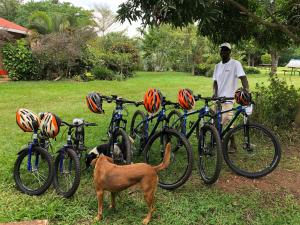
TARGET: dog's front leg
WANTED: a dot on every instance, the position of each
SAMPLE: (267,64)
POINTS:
(113,200)
(100,203)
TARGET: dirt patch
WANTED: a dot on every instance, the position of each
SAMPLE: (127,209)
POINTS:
(278,180)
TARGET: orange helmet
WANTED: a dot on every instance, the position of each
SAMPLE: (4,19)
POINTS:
(152,100)
(50,125)
(94,102)
(27,120)
(242,96)
(186,99)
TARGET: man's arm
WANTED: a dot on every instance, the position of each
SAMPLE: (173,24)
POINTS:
(245,83)
(215,89)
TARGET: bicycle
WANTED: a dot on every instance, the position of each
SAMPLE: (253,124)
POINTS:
(209,142)
(153,146)
(67,165)
(258,150)
(33,170)
(119,142)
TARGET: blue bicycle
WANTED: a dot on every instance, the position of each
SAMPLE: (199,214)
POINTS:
(209,143)
(33,170)
(151,146)
(249,149)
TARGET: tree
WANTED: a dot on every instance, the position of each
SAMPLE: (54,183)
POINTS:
(168,48)
(77,17)
(106,20)
(267,21)
(8,8)
(234,18)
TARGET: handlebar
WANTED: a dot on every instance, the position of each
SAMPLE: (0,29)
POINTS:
(219,99)
(118,99)
(84,123)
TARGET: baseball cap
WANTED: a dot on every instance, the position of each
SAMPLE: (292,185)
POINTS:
(225,44)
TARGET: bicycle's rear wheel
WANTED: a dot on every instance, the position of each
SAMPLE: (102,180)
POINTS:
(36,179)
(120,147)
(175,120)
(138,134)
(209,154)
(255,159)
(67,173)
(181,162)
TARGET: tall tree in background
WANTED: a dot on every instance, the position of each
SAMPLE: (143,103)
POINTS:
(267,21)
(104,19)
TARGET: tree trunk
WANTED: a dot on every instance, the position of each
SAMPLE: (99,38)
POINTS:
(249,60)
(193,69)
(274,63)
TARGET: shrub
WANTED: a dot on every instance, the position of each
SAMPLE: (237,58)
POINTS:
(276,104)
(19,61)
(204,70)
(266,58)
(102,73)
(251,70)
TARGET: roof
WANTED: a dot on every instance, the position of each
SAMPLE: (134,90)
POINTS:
(12,27)
(294,63)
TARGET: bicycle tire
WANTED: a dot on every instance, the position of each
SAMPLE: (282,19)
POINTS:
(124,145)
(250,157)
(138,134)
(186,152)
(44,179)
(172,117)
(209,155)
(63,183)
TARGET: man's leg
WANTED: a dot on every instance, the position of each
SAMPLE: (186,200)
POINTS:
(226,117)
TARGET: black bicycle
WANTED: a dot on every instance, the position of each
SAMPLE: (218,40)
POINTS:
(33,169)
(67,163)
(119,142)
(209,143)
(257,150)
(152,146)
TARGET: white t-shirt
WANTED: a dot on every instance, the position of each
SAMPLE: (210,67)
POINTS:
(226,75)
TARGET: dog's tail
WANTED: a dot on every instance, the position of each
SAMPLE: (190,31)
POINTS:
(166,161)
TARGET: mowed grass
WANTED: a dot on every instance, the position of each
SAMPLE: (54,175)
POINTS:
(193,203)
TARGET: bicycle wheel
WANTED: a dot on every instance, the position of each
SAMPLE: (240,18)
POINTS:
(66,172)
(120,147)
(257,151)
(175,121)
(137,132)
(209,154)
(35,177)
(181,162)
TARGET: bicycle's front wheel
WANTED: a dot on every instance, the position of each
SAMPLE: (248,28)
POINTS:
(181,163)
(67,172)
(209,154)
(251,150)
(33,172)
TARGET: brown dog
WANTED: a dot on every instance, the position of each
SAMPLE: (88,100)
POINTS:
(115,178)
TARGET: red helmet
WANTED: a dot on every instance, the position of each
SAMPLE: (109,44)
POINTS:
(186,99)
(242,96)
(27,120)
(152,100)
(50,125)
(94,102)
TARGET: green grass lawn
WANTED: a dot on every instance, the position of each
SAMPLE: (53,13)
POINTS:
(193,203)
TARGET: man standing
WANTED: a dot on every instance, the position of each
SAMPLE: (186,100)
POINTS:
(225,77)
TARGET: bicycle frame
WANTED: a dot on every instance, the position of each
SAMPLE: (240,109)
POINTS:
(204,111)
(35,142)
(161,116)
